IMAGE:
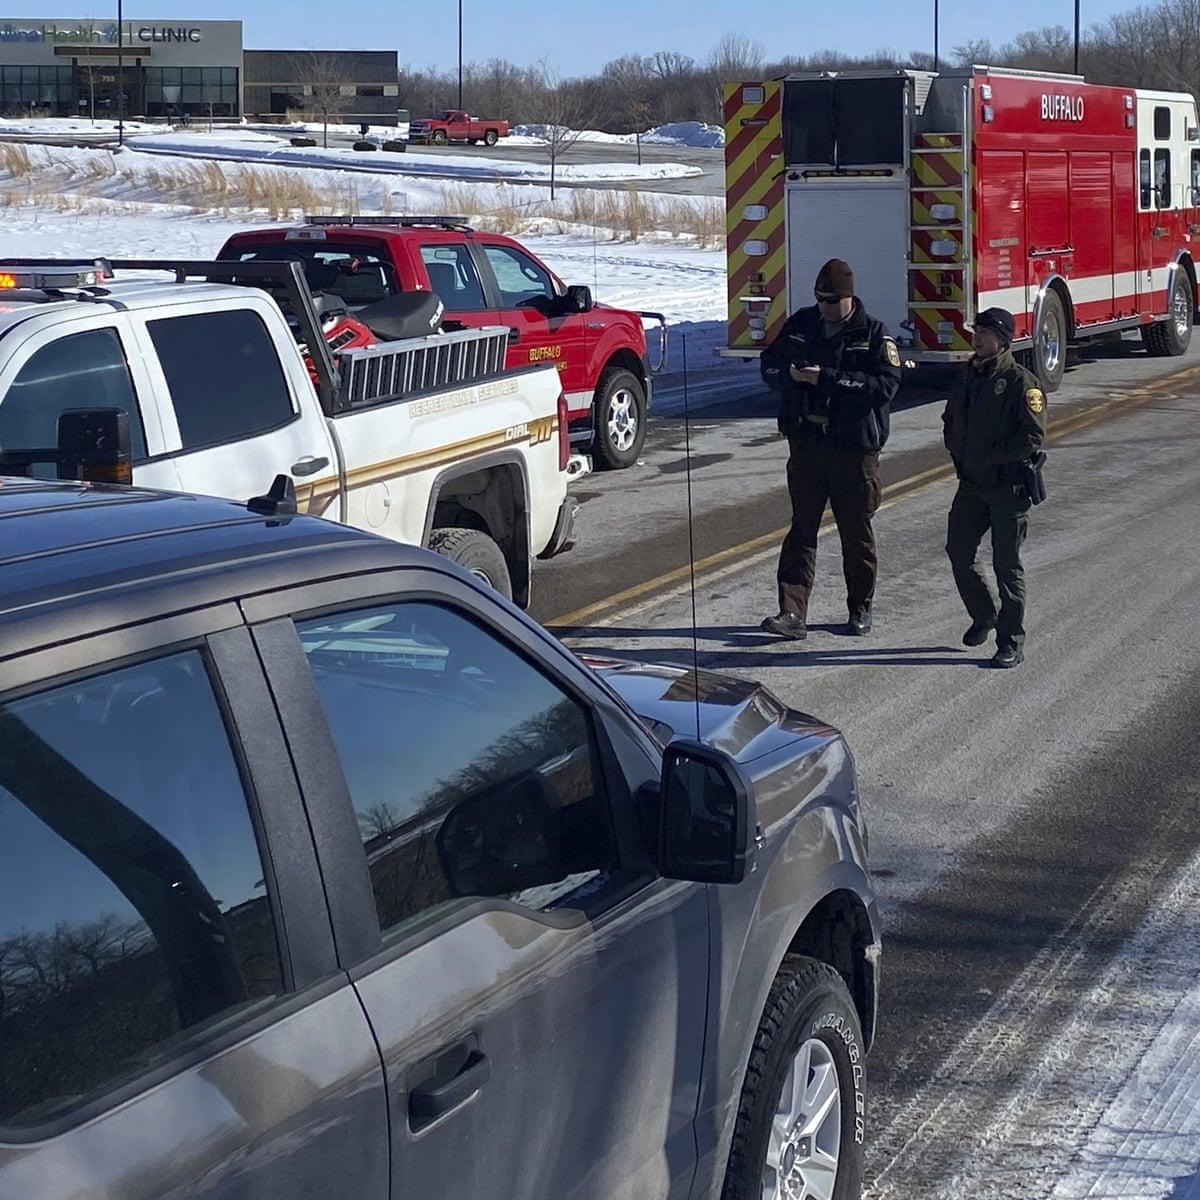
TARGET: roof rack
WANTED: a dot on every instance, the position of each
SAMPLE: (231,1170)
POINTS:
(404,222)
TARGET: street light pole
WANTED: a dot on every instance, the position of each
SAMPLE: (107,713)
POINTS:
(120,75)
(460,44)
(1076,37)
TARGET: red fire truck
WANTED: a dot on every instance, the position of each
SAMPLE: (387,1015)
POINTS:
(1073,205)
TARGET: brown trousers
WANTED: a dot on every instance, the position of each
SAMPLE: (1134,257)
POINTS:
(848,480)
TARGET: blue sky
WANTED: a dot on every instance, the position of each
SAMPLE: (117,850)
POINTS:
(581,35)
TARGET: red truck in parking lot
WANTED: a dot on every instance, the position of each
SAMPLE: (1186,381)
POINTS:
(457,125)
(489,279)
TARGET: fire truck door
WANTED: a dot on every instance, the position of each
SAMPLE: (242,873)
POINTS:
(867,224)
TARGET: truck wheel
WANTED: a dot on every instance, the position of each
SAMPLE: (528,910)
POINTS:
(474,551)
(491,138)
(799,1130)
(1049,352)
(620,420)
(1171,337)
(439,137)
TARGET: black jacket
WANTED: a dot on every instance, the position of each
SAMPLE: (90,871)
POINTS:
(995,421)
(860,373)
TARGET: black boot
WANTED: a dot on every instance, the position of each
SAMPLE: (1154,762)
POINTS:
(786,625)
(1007,656)
(859,624)
(978,633)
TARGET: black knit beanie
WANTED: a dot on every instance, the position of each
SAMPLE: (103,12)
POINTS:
(836,278)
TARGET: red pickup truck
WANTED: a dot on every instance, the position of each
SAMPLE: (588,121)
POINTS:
(456,125)
(489,279)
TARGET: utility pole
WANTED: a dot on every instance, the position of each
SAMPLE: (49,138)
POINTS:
(936,23)
(1076,37)
(120,75)
(460,56)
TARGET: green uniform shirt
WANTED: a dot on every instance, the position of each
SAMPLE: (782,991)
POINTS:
(995,420)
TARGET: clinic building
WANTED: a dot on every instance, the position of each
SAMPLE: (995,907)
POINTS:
(165,69)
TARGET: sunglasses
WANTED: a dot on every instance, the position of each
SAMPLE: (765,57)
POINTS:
(826,298)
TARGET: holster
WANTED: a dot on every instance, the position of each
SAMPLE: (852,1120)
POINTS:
(1034,481)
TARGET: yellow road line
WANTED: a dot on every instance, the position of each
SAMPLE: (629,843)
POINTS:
(709,565)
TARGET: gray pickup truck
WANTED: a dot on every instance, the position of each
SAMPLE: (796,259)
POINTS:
(325,872)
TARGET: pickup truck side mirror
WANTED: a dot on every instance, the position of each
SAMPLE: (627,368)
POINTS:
(706,824)
(578,299)
(93,444)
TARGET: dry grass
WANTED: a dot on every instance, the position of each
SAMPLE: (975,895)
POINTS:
(618,215)
(14,160)
(281,194)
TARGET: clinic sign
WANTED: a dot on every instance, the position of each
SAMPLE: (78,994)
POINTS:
(88,33)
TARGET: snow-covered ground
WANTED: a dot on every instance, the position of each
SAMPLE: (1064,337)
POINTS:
(240,145)
(75,202)
(63,126)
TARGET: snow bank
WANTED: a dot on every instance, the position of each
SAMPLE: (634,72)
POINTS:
(681,133)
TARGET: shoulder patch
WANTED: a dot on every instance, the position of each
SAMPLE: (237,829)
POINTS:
(1001,386)
(1035,399)
(890,349)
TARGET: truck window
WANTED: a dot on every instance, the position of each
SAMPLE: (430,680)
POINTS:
(471,773)
(1146,192)
(1162,179)
(82,370)
(520,279)
(133,912)
(1195,197)
(224,375)
(453,277)
(1162,124)
(355,275)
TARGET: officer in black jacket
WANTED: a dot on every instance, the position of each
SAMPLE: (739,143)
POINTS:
(836,370)
(995,423)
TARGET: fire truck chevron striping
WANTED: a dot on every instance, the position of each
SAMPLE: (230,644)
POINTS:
(754,213)
(1076,206)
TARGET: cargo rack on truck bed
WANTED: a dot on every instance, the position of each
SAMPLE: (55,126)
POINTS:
(349,379)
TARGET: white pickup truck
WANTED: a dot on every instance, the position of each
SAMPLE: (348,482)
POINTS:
(227,381)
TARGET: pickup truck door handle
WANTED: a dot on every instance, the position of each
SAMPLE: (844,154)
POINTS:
(450,1080)
(309,465)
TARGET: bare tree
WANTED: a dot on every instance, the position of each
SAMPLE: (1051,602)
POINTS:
(632,78)
(327,80)
(564,111)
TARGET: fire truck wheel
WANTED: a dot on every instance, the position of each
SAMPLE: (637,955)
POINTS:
(439,137)
(475,552)
(1050,344)
(620,420)
(491,138)
(1171,337)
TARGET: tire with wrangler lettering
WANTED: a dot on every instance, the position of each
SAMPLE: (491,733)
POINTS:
(800,1123)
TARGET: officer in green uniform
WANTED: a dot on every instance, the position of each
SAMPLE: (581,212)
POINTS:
(995,423)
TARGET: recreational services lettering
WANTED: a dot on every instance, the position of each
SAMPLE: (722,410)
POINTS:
(1062,108)
(98,34)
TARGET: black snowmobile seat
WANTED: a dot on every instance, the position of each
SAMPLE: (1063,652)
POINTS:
(407,315)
